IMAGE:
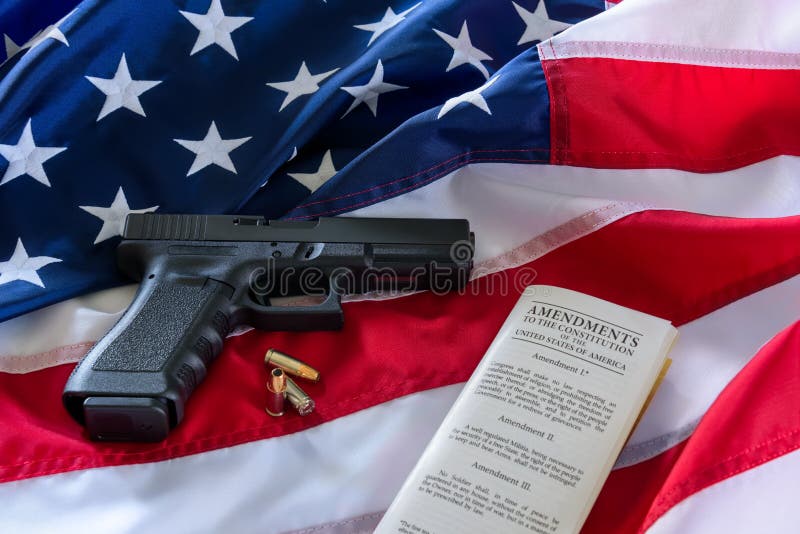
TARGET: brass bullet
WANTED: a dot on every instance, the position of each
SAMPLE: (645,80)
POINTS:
(291,365)
(298,398)
(276,393)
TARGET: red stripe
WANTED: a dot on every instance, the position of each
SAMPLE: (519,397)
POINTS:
(675,265)
(628,493)
(754,420)
(615,113)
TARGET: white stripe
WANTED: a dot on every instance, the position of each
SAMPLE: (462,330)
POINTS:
(660,53)
(709,352)
(708,26)
(62,332)
(518,213)
(348,467)
(509,204)
(761,499)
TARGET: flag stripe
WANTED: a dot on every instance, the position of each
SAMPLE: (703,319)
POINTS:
(508,204)
(628,493)
(771,27)
(325,474)
(62,332)
(674,265)
(660,53)
(742,430)
(720,446)
(709,353)
(761,499)
(711,130)
(288,472)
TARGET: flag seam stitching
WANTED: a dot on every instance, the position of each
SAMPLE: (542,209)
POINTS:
(418,173)
(415,185)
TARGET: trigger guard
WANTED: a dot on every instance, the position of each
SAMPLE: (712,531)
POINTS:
(327,315)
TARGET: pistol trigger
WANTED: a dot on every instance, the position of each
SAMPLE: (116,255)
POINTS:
(327,315)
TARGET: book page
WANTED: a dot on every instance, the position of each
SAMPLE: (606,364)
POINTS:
(534,433)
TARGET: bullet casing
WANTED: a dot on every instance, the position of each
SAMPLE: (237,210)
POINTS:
(291,365)
(276,393)
(298,398)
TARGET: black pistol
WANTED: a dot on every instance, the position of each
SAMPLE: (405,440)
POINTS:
(203,275)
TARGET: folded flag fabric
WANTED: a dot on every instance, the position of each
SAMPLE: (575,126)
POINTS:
(645,153)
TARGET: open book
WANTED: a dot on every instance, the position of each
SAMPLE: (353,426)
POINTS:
(533,435)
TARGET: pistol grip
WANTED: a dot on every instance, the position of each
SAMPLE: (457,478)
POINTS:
(133,384)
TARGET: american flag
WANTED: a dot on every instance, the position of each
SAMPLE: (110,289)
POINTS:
(644,152)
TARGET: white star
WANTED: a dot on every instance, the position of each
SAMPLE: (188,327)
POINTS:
(11,47)
(369,93)
(51,32)
(22,267)
(315,180)
(390,20)
(215,28)
(213,149)
(464,52)
(113,217)
(304,83)
(538,24)
(122,91)
(27,158)
(473,97)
